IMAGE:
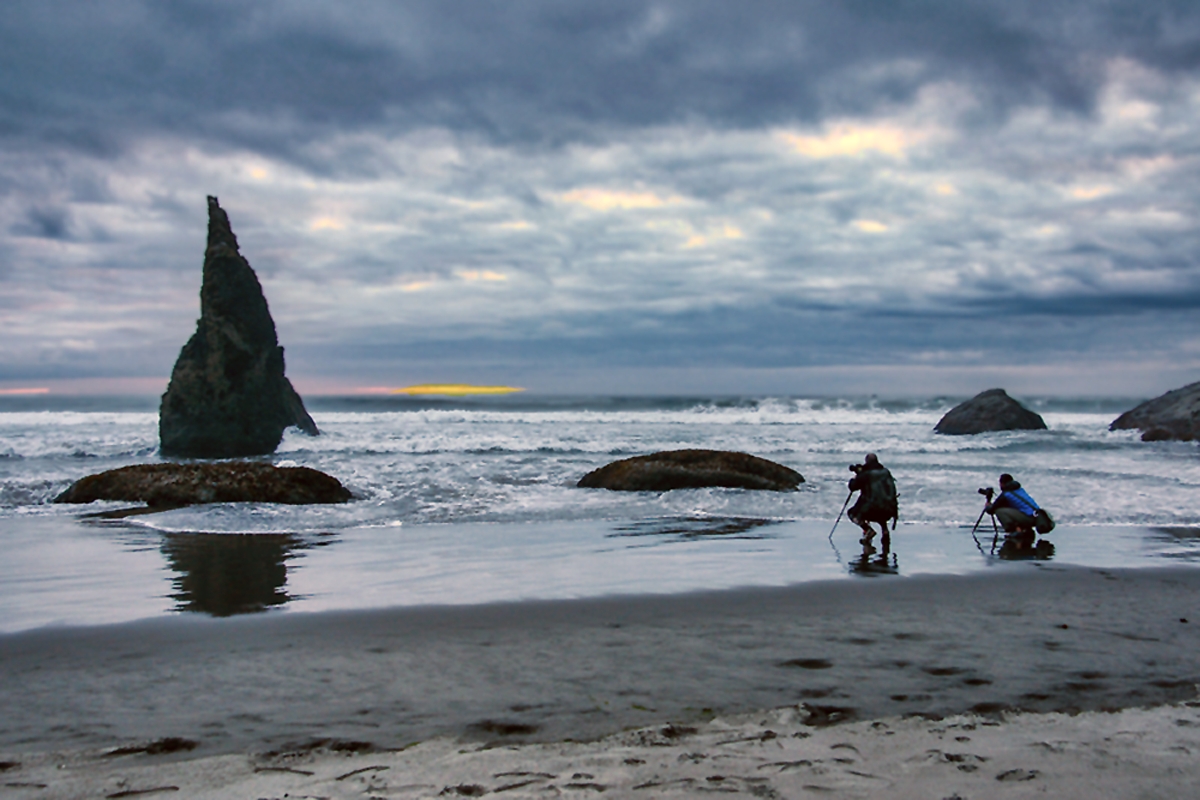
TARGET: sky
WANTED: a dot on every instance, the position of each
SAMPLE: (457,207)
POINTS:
(801,197)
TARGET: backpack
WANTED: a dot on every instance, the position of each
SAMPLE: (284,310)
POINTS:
(882,496)
(1042,521)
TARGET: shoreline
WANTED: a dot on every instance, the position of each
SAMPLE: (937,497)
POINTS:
(1048,639)
(66,570)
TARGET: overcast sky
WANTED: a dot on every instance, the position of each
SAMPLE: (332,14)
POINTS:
(805,197)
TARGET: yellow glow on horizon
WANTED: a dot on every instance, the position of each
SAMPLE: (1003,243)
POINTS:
(946,189)
(26,390)
(455,389)
(607,200)
(869,225)
(415,286)
(852,140)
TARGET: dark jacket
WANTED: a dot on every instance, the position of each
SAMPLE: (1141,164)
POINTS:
(877,498)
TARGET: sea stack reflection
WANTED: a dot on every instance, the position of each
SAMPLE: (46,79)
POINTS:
(224,574)
(228,395)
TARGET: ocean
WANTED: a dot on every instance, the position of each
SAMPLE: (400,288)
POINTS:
(473,500)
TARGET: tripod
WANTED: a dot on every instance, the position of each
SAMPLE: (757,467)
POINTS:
(995,530)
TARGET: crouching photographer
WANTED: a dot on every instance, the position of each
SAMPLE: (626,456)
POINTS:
(1017,512)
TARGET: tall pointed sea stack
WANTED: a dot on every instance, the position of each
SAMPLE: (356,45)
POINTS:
(228,395)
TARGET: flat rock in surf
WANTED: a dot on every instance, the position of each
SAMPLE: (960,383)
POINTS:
(992,410)
(166,485)
(228,395)
(1172,416)
(692,469)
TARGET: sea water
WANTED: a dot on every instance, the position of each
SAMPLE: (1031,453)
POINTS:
(475,500)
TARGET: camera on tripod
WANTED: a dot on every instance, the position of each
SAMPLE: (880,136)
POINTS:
(856,468)
(988,492)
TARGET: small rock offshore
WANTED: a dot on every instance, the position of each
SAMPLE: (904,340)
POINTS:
(692,469)
(991,410)
(174,485)
(1171,416)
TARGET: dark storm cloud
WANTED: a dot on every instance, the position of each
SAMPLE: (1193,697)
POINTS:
(274,75)
(46,223)
(601,185)
(767,338)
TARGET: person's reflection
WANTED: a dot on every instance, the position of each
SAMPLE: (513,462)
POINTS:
(1014,549)
(876,562)
(229,573)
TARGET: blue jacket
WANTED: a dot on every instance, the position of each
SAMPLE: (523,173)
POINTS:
(1013,496)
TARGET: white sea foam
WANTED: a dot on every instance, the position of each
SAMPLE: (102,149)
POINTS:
(513,463)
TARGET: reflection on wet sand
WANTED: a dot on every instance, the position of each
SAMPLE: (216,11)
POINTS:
(1014,549)
(1176,542)
(229,573)
(691,528)
(876,562)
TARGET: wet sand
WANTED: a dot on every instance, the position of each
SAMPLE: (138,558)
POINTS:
(92,571)
(1040,638)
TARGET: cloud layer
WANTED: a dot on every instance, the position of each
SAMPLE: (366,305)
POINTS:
(579,196)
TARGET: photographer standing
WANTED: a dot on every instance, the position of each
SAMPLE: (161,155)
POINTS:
(877,499)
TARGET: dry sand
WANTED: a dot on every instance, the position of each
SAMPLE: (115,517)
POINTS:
(1129,754)
(896,687)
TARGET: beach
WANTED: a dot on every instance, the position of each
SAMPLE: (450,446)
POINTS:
(418,399)
(1128,754)
(1097,665)
(474,623)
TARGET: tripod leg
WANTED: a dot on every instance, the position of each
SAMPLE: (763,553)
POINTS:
(976,526)
(839,516)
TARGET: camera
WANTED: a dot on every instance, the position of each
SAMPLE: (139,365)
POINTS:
(988,492)
(856,468)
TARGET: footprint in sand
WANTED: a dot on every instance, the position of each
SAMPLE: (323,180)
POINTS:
(1017,775)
